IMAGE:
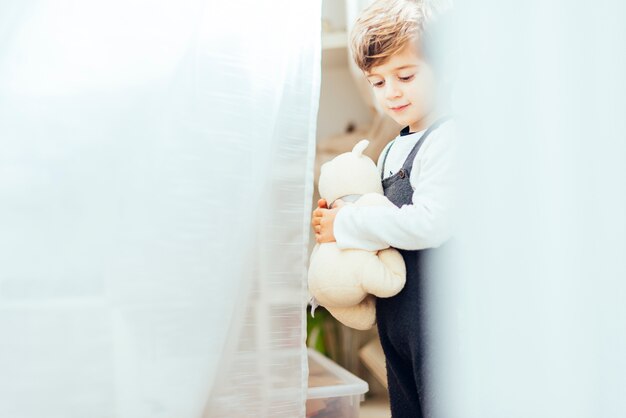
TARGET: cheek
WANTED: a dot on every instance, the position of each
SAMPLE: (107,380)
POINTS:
(429,84)
(424,90)
(378,94)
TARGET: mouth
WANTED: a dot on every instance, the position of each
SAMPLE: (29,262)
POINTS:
(399,108)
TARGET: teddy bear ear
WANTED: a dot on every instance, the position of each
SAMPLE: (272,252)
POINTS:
(360,147)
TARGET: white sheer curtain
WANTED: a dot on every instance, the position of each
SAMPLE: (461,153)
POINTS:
(533,317)
(155,183)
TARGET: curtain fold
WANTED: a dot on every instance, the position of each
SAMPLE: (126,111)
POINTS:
(155,188)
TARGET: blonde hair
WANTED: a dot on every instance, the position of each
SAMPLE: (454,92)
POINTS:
(387,26)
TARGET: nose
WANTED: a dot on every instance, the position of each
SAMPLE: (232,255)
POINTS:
(392,90)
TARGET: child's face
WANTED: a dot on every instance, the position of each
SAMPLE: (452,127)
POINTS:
(404,87)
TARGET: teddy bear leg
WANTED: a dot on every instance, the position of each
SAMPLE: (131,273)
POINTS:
(361,316)
(384,275)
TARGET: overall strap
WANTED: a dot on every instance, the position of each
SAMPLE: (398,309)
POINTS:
(409,159)
(413,153)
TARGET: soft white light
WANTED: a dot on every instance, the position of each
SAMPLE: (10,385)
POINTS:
(532,317)
(155,187)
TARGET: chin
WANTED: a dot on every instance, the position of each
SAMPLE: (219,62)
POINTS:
(394,117)
(401,121)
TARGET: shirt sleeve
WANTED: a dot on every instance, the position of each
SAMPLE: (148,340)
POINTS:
(427,223)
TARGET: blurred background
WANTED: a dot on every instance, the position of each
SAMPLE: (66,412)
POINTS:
(347,114)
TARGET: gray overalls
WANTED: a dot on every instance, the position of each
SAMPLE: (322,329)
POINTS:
(400,319)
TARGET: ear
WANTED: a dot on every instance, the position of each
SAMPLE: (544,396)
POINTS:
(360,147)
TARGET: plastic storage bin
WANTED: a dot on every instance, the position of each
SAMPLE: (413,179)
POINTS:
(333,391)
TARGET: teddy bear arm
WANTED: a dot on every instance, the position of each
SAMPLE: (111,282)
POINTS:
(361,316)
(384,275)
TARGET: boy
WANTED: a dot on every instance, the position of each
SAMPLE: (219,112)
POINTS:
(392,43)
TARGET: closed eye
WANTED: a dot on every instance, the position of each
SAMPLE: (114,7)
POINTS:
(409,78)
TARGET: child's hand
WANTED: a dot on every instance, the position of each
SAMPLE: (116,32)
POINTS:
(316,216)
(323,220)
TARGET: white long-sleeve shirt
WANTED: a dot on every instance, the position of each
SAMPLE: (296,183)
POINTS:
(427,223)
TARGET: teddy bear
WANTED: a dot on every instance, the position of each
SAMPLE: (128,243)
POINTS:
(346,281)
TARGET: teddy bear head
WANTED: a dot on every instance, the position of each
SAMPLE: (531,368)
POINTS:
(350,173)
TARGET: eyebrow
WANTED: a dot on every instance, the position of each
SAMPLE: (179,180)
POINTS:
(395,69)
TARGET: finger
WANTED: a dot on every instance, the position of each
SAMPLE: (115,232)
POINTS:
(322,203)
(321,213)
